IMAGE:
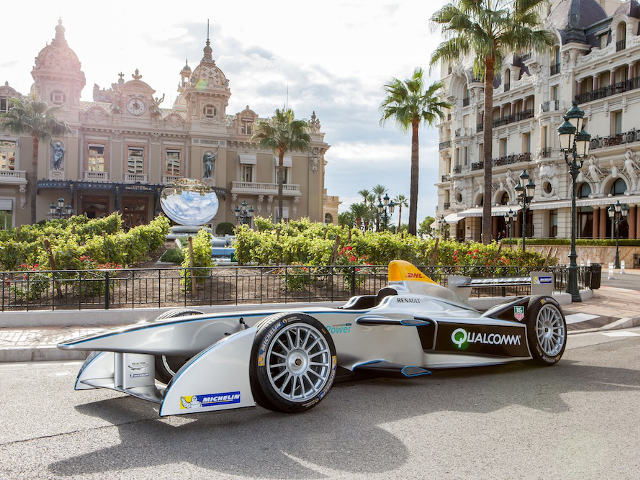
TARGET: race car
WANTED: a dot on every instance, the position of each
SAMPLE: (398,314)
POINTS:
(287,360)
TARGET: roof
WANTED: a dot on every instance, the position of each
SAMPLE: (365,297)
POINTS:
(571,17)
(630,9)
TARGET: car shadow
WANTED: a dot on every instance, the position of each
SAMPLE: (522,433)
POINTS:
(345,433)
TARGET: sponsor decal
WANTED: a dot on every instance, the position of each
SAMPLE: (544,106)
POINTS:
(138,375)
(267,338)
(542,280)
(462,339)
(518,313)
(408,300)
(342,328)
(137,365)
(209,400)
(261,361)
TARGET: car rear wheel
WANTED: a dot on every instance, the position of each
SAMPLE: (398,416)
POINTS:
(293,363)
(167,366)
(546,330)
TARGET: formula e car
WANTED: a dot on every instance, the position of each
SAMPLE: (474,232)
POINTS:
(287,361)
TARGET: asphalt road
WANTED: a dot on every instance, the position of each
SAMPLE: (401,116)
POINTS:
(579,419)
(627,281)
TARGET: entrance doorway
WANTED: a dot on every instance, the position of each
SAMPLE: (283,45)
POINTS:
(134,211)
(95,207)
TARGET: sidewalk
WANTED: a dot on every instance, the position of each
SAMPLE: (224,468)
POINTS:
(609,308)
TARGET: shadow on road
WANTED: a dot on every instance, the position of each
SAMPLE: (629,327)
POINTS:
(344,433)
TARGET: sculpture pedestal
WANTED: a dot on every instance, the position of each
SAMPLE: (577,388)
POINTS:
(185,231)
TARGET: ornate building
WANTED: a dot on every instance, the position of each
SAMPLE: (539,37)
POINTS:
(595,62)
(125,147)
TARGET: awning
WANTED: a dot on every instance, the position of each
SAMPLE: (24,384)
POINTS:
(248,159)
(498,211)
(606,201)
(286,161)
(6,204)
(550,205)
(452,218)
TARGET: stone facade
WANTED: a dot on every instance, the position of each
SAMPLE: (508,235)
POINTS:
(596,62)
(126,146)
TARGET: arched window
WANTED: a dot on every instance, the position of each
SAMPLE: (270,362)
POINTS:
(618,187)
(507,80)
(584,190)
(621,37)
(328,218)
(505,199)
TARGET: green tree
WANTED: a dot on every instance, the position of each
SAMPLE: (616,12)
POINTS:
(489,30)
(282,134)
(364,193)
(378,191)
(400,201)
(36,119)
(425,226)
(410,104)
(359,211)
(346,219)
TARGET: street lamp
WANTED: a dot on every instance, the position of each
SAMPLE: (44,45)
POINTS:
(441,223)
(617,213)
(525,196)
(60,210)
(574,142)
(509,218)
(386,210)
(243,214)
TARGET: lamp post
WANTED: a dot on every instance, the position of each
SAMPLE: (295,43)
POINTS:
(509,218)
(60,210)
(617,213)
(386,210)
(574,143)
(441,224)
(525,195)
(243,214)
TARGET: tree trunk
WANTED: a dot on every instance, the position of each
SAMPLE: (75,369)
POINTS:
(399,216)
(415,173)
(34,178)
(280,184)
(488,150)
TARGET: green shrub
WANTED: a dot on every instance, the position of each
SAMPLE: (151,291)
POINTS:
(201,258)
(225,228)
(172,255)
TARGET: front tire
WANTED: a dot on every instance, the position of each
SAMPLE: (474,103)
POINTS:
(166,366)
(293,363)
(546,330)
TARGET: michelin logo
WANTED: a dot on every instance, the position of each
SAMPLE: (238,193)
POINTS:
(542,280)
(461,338)
(209,400)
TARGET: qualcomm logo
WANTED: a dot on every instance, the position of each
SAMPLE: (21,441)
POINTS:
(461,338)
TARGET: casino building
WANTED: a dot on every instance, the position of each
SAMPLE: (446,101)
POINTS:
(125,147)
(595,62)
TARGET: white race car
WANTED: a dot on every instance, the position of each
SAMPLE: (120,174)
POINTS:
(287,361)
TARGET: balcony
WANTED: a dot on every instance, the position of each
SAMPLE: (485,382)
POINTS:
(477,80)
(447,205)
(135,178)
(550,106)
(96,176)
(13,176)
(169,179)
(444,145)
(477,166)
(613,140)
(511,159)
(480,127)
(507,87)
(605,92)
(255,188)
(516,117)
(524,57)
(465,102)
(621,45)
(546,152)
(445,178)
(457,169)
(555,69)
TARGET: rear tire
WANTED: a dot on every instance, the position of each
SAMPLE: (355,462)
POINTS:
(166,366)
(293,363)
(546,330)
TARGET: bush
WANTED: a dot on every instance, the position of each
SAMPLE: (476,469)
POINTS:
(201,258)
(172,255)
(225,228)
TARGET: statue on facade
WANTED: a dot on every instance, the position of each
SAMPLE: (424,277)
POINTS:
(155,105)
(58,155)
(631,167)
(510,183)
(209,159)
(594,171)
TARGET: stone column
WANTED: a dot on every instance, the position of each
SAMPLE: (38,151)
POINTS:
(603,222)
(632,221)
(494,225)
(637,222)
(518,233)
(596,223)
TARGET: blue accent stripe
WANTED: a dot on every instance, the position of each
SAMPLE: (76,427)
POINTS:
(424,371)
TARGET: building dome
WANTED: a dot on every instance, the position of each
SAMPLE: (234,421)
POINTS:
(571,17)
(630,9)
(207,75)
(58,56)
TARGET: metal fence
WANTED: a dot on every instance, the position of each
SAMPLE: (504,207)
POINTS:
(167,287)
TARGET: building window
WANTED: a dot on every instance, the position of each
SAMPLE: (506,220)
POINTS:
(466,156)
(616,123)
(96,158)
(4,105)
(209,111)
(328,218)
(585,222)
(502,147)
(618,187)
(172,163)
(505,199)
(7,155)
(246,128)
(584,190)
(57,97)
(285,175)
(135,161)
(526,143)
(553,223)
(247,173)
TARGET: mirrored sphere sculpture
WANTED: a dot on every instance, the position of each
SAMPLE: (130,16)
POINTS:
(189,202)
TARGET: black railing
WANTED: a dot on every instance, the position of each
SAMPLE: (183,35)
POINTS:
(457,169)
(621,45)
(161,288)
(447,205)
(555,69)
(507,87)
(605,92)
(477,80)
(516,117)
(444,145)
(477,166)
(631,136)
(525,57)
(510,159)
(546,106)
(465,102)
(480,127)
(546,152)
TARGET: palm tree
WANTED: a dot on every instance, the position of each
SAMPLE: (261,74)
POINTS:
(379,191)
(282,133)
(359,211)
(409,104)
(37,119)
(364,193)
(489,30)
(400,201)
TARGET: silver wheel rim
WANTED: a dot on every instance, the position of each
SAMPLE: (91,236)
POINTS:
(298,362)
(550,330)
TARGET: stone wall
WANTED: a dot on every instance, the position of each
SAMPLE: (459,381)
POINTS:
(602,255)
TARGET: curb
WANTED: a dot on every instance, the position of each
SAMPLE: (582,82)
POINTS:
(47,353)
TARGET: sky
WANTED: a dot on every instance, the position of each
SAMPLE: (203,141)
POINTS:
(330,56)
